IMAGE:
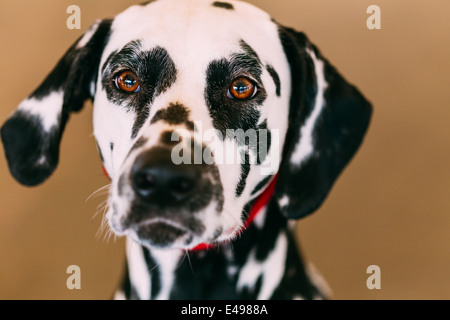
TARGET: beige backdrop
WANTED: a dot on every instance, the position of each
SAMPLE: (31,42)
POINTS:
(389,208)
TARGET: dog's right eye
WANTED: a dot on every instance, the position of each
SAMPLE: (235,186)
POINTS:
(242,89)
(127,81)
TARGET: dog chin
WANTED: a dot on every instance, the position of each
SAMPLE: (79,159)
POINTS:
(162,235)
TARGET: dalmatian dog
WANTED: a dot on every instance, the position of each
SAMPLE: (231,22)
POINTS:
(217,126)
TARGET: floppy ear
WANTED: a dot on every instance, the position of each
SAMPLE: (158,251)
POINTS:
(328,118)
(31,136)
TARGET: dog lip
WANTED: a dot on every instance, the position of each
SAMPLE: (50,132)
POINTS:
(162,221)
(159,232)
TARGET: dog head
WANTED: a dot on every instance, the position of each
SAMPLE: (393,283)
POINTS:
(197,106)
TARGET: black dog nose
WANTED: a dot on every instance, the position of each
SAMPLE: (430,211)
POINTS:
(156,179)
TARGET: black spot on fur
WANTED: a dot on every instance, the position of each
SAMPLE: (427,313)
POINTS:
(127,288)
(174,114)
(263,183)
(31,152)
(154,271)
(276,79)
(249,52)
(245,170)
(156,73)
(224,5)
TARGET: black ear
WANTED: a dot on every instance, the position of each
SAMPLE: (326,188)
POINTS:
(31,136)
(328,118)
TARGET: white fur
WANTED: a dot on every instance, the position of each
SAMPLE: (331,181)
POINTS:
(271,269)
(284,201)
(137,269)
(260,217)
(167,261)
(88,34)
(47,109)
(305,146)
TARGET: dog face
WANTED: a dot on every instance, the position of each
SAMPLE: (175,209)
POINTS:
(197,105)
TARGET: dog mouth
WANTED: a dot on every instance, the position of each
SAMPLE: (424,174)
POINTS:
(161,233)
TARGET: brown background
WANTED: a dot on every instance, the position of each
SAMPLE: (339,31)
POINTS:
(389,208)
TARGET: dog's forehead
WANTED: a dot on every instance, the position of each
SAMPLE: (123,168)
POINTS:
(203,29)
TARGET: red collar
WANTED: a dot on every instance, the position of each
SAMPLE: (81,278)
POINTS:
(260,202)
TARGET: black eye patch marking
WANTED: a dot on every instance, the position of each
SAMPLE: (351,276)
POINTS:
(225,112)
(224,5)
(156,73)
(276,79)
(175,114)
(236,114)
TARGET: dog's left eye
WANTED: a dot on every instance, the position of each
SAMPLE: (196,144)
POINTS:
(242,89)
(127,81)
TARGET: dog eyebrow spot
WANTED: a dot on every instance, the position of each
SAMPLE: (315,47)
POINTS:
(276,79)
(224,5)
(166,138)
(174,114)
(156,72)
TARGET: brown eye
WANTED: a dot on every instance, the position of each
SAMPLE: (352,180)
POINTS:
(242,89)
(127,81)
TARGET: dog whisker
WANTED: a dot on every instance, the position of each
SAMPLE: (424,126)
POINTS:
(100,191)
(104,226)
(189,260)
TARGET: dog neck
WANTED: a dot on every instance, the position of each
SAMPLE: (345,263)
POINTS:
(261,202)
(252,266)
